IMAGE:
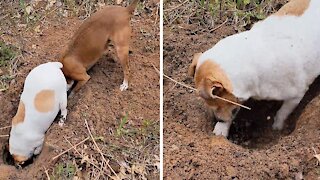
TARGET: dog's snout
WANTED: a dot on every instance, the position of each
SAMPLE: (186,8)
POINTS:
(218,119)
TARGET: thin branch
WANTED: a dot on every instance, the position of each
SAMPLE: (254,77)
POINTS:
(46,171)
(219,26)
(213,96)
(88,160)
(99,150)
(170,9)
(317,156)
(70,148)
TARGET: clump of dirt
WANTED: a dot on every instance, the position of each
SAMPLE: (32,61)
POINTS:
(125,125)
(253,150)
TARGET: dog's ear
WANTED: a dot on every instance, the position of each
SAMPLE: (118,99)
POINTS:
(216,89)
(192,67)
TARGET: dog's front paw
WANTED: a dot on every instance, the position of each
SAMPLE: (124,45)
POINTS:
(221,128)
(124,86)
(61,121)
(277,125)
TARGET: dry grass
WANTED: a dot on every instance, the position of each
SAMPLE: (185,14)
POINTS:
(209,14)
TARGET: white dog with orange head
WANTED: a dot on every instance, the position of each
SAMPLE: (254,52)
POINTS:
(276,60)
(44,94)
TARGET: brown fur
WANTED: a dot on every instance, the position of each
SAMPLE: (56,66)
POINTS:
(90,42)
(19,117)
(293,8)
(192,67)
(19,159)
(212,72)
(210,80)
(44,101)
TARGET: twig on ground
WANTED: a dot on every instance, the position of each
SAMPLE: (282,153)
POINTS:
(46,171)
(317,156)
(219,26)
(213,96)
(70,149)
(99,150)
(170,9)
(182,84)
(74,147)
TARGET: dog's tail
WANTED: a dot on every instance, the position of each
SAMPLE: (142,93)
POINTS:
(132,6)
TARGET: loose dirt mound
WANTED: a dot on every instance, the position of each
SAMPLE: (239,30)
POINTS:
(124,124)
(253,150)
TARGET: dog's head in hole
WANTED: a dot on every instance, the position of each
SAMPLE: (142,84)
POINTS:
(18,161)
(211,81)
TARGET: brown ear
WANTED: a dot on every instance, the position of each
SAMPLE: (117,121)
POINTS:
(216,89)
(192,67)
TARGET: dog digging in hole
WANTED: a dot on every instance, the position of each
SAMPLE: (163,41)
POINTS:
(44,95)
(90,42)
(276,60)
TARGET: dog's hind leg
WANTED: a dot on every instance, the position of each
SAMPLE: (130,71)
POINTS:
(286,108)
(38,150)
(121,41)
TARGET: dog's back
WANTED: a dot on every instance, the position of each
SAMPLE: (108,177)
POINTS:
(279,46)
(44,88)
(90,42)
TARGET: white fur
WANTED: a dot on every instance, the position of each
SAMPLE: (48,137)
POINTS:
(27,138)
(276,60)
(222,128)
(124,85)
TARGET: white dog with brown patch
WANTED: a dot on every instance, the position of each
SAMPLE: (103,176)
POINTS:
(276,60)
(44,94)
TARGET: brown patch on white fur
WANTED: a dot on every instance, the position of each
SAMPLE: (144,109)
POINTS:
(19,159)
(19,117)
(212,72)
(192,67)
(293,8)
(210,80)
(44,101)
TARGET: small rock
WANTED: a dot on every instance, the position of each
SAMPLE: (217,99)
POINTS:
(298,176)
(284,169)
(231,171)
(174,147)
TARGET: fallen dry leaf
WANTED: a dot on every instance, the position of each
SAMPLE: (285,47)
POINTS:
(118,1)
(50,4)
(29,9)
(139,169)
(121,175)
(37,29)
(317,156)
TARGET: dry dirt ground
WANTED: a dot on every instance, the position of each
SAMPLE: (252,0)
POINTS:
(125,125)
(253,150)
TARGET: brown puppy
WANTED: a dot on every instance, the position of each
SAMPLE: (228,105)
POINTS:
(90,41)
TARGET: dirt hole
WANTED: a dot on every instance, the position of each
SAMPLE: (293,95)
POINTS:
(253,129)
(8,159)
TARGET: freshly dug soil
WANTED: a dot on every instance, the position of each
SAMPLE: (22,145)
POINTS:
(253,150)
